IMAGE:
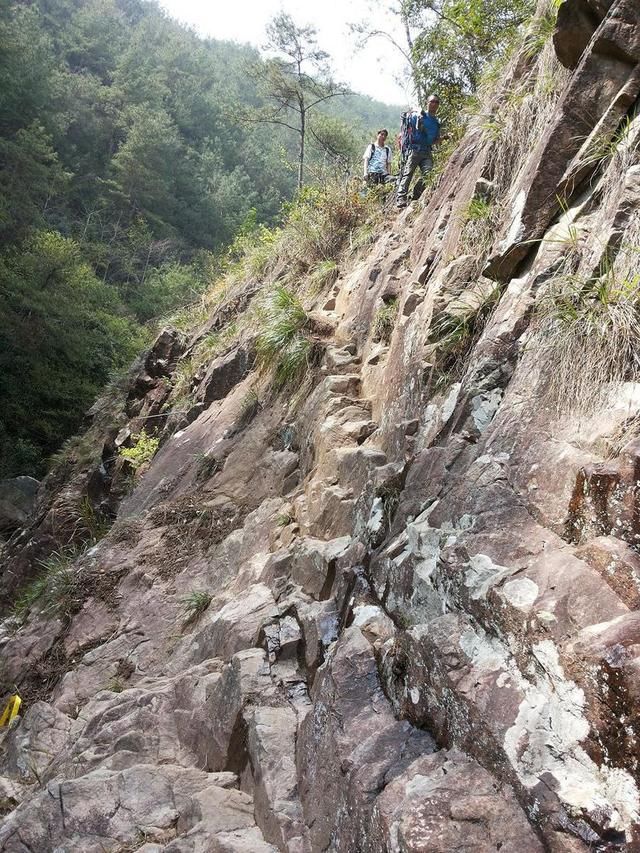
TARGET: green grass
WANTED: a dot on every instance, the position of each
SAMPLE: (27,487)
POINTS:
(212,345)
(187,318)
(55,587)
(478,209)
(195,603)
(96,524)
(283,343)
(541,29)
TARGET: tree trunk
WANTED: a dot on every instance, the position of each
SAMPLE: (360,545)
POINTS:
(303,118)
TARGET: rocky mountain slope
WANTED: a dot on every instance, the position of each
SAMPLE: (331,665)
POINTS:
(397,611)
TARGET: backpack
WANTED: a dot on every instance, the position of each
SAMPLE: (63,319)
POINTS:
(408,131)
(412,132)
(372,148)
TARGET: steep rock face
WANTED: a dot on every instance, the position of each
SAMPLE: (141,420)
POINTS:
(420,629)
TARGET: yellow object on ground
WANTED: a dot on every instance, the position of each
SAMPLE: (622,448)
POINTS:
(10,710)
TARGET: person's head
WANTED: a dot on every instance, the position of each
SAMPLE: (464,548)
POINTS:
(382,136)
(433,102)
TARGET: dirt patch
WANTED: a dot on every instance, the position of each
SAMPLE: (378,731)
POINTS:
(44,674)
(192,526)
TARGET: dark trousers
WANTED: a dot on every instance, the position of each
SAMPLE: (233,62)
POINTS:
(415,160)
(374,178)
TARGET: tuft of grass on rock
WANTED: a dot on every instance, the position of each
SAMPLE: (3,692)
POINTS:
(324,274)
(385,320)
(283,343)
(588,336)
(195,603)
(54,589)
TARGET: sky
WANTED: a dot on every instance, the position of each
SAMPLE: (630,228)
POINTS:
(372,71)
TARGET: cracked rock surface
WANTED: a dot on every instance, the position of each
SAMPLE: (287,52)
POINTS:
(420,630)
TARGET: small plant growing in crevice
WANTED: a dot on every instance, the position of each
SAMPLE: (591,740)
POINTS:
(143,450)
(195,603)
(453,335)
(55,589)
(96,524)
(182,381)
(385,320)
(249,408)
(478,209)
(478,226)
(283,520)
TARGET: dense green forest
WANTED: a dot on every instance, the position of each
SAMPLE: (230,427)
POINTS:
(128,162)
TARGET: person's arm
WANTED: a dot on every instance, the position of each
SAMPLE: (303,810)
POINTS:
(366,158)
(388,147)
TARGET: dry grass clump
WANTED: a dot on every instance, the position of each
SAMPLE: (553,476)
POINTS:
(520,117)
(54,589)
(385,320)
(478,226)
(588,332)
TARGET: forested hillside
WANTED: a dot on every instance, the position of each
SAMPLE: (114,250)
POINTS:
(350,562)
(127,165)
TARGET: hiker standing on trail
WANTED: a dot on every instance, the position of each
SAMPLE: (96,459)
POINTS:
(420,132)
(377,160)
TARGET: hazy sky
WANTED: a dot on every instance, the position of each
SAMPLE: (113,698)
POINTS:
(372,71)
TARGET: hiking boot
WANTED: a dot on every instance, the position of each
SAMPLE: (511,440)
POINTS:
(402,202)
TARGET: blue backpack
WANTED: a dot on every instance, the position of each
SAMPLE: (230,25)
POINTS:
(415,132)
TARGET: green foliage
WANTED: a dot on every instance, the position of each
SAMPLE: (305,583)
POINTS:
(211,345)
(478,209)
(319,224)
(605,147)
(455,39)
(62,334)
(478,226)
(282,343)
(143,450)
(195,603)
(125,163)
(93,521)
(541,29)
(454,331)
(519,117)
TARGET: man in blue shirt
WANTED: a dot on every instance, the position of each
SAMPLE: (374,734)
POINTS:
(425,133)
